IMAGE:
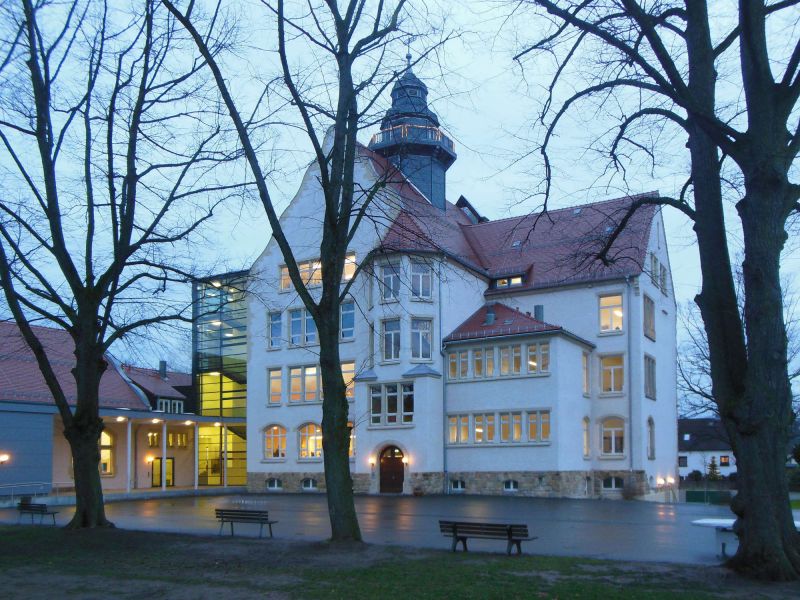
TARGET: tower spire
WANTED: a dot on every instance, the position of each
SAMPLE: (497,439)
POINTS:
(408,53)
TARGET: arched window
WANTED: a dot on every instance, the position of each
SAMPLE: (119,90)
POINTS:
(613,436)
(586,439)
(651,438)
(274,442)
(310,441)
(106,453)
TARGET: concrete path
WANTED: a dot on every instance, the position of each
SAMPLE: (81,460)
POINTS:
(618,530)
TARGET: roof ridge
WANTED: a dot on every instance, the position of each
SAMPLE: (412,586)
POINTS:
(566,208)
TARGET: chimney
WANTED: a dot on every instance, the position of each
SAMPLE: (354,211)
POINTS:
(538,312)
(162,369)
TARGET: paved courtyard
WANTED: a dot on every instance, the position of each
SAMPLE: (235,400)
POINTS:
(616,530)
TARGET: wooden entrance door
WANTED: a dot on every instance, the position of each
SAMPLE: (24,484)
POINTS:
(392,471)
(157,472)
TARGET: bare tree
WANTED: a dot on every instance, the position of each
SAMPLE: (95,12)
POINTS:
(349,42)
(111,154)
(660,65)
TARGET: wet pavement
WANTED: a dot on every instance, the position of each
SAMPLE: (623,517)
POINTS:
(609,529)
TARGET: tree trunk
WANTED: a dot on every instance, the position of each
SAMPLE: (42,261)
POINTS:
(83,437)
(759,422)
(336,435)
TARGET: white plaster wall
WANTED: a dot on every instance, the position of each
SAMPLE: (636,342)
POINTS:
(699,461)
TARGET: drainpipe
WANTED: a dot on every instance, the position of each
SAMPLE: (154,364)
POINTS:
(444,385)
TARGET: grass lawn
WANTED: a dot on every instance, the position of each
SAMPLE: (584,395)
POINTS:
(46,562)
(795,504)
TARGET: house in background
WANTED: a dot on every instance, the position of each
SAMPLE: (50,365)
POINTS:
(487,357)
(140,447)
(699,442)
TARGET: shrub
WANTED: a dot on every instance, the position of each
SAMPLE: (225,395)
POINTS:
(695,476)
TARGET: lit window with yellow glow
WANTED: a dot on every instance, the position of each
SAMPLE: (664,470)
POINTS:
(310,441)
(274,442)
(106,454)
(611,313)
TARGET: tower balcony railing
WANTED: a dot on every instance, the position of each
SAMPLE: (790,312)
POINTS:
(413,133)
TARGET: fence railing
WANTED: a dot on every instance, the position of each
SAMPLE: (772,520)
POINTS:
(11,491)
(413,133)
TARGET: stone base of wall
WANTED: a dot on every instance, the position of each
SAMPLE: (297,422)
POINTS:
(536,484)
(290,482)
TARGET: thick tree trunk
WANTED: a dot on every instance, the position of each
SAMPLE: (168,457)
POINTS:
(83,437)
(759,422)
(336,436)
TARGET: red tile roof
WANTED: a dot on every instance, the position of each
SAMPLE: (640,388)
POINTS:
(507,321)
(553,248)
(150,381)
(21,380)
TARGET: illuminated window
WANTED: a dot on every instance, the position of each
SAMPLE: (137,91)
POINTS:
(539,426)
(483,428)
(612,370)
(177,440)
(510,360)
(304,384)
(349,267)
(274,442)
(459,429)
(153,439)
(275,386)
(724,461)
(310,441)
(505,282)
(613,436)
(611,313)
(349,376)
(510,427)
(477,363)
(539,357)
(106,454)
(352,448)
(311,272)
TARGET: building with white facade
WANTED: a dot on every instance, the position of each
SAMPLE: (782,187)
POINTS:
(491,357)
(702,441)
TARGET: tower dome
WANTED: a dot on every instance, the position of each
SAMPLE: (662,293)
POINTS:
(411,139)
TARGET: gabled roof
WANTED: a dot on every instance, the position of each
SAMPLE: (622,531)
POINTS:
(506,321)
(703,435)
(21,380)
(150,381)
(552,248)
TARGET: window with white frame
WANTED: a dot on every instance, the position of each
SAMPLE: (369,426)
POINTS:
(612,371)
(107,453)
(539,426)
(483,428)
(539,357)
(421,280)
(457,485)
(274,484)
(349,376)
(510,360)
(302,328)
(459,429)
(275,333)
(477,362)
(613,483)
(654,269)
(511,485)
(310,438)
(663,280)
(586,374)
(349,267)
(649,318)
(649,377)
(391,339)
(391,404)
(351,452)
(683,461)
(488,357)
(309,484)
(458,364)
(347,323)
(612,432)
(505,282)
(304,384)
(511,427)
(390,282)
(274,442)
(311,272)
(611,312)
(421,341)
(275,386)
(586,438)
(651,438)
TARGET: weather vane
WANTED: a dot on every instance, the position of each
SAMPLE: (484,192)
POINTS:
(408,50)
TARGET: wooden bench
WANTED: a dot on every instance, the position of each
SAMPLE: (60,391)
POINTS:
(32,509)
(460,531)
(238,515)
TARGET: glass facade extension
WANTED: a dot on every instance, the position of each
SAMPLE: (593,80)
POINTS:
(219,365)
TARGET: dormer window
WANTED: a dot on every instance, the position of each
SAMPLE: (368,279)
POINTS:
(413,92)
(505,282)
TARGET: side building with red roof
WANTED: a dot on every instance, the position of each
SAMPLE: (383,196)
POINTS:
(151,426)
(482,357)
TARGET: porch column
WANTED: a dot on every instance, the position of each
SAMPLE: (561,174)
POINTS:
(224,455)
(196,453)
(129,444)
(164,454)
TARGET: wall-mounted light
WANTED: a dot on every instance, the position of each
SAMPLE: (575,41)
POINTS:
(660,481)
(156,421)
(405,460)
(213,373)
(4,458)
(670,480)
(121,419)
(217,424)
(149,459)
(188,422)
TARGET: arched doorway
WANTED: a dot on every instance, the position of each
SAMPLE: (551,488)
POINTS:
(392,471)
